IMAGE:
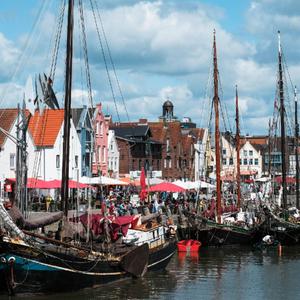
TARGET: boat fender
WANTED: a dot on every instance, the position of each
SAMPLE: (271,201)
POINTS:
(11,260)
(3,260)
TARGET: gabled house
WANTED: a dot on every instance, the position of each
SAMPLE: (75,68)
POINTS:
(46,131)
(113,155)
(8,149)
(251,156)
(82,119)
(101,128)
(137,148)
(202,153)
(177,150)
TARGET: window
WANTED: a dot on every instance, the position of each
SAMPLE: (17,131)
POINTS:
(224,161)
(231,161)
(245,161)
(111,147)
(250,161)
(76,161)
(170,163)
(158,164)
(12,160)
(256,161)
(168,145)
(94,157)
(240,161)
(245,152)
(224,151)
(250,152)
(165,163)
(192,149)
(57,162)
(99,154)
(101,128)
(103,154)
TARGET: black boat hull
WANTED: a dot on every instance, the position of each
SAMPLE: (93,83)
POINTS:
(23,271)
(224,236)
(159,258)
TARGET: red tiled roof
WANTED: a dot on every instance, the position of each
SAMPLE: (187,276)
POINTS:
(258,140)
(7,119)
(45,128)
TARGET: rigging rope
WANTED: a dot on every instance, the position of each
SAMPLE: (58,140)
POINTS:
(85,54)
(111,61)
(23,53)
(104,58)
(60,22)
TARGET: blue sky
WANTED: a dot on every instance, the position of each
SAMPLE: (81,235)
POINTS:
(161,49)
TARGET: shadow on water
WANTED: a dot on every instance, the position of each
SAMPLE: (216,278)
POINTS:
(214,273)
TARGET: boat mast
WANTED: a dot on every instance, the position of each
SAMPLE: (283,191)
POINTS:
(217,131)
(67,111)
(282,123)
(237,145)
(296,148)
(269,149)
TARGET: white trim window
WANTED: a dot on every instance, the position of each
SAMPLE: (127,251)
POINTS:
(57,161)
(12,161)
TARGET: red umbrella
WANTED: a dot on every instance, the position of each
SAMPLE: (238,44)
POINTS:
(34,183)
(288,179)
(75,184)
(143,193)
(56,184)
(166,187)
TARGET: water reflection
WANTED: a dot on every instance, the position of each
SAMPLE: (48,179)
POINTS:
(224,273)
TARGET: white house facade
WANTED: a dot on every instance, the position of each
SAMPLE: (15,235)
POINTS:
(48,148)
(113,155)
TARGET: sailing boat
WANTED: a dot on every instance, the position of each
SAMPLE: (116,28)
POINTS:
(286,232)
(31,262)
(217,233)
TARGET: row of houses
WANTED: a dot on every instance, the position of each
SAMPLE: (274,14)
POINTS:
(168,148)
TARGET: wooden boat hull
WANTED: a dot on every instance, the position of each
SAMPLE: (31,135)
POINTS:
(159,258)
(286,237)
(221,235)
(25,269)
(28,270)
(32,276)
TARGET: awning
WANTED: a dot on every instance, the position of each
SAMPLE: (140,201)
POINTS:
(103,180)
(56,184)
(248,172)
(190,185)
(288,179)
(166,187)
(33,183)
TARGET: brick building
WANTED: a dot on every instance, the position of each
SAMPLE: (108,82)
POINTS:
(137,148)
(166,147)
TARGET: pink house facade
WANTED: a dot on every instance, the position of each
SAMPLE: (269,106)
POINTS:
(101,127)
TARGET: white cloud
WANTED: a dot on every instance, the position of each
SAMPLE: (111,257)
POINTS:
(9,54)
(163,49)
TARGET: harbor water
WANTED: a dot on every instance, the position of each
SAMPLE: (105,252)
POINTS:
(215,273)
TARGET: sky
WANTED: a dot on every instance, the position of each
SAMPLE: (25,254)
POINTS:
(160,50)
